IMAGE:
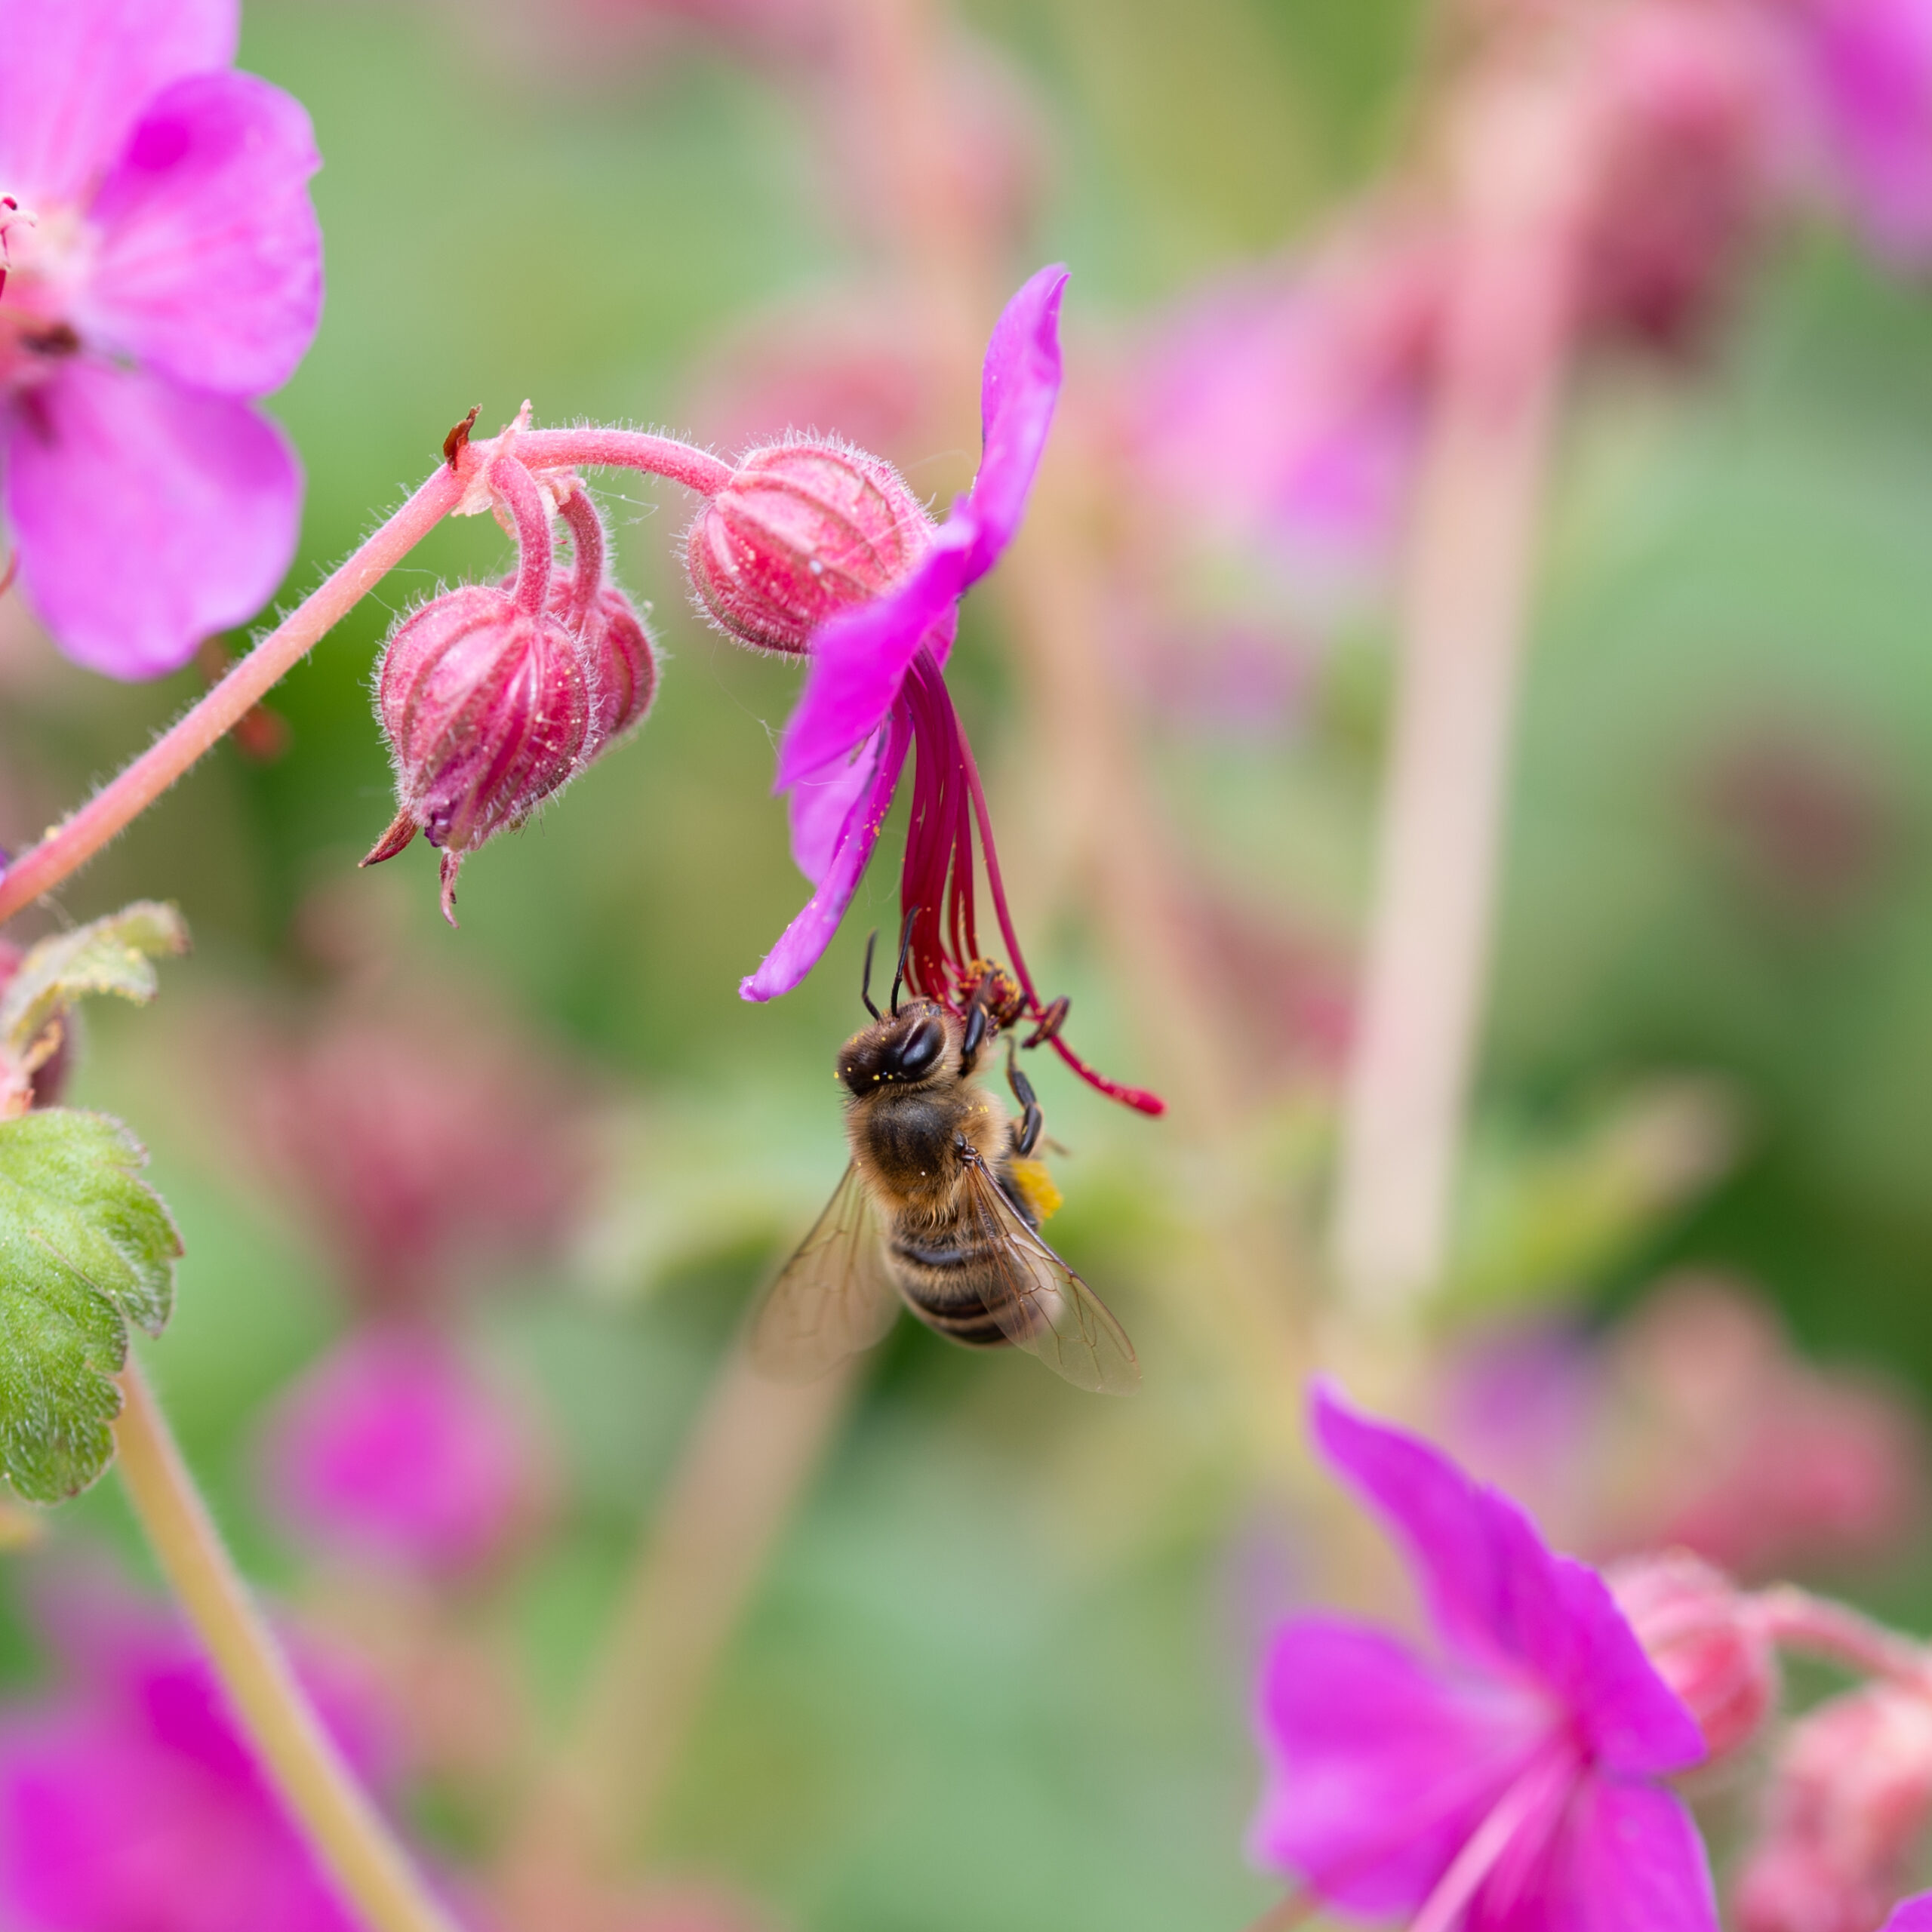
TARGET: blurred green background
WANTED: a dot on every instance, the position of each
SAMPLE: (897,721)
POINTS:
(997,1676)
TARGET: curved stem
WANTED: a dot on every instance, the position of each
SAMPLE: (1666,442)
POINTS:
(624,449)
(66,849)
(319,1788)
(587,529)
(1795,1620)
(516,488)
(754,1446)
(69,847)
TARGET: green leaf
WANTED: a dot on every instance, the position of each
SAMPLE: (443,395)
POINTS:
(86,1248)
(115,955)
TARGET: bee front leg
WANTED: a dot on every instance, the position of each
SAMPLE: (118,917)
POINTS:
(1025,1132)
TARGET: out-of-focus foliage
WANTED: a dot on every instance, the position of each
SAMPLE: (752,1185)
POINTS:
(997,1675)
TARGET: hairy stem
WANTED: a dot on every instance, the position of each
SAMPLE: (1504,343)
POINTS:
(754,1446)
(320,1790)
(1795,1620)
(66,849)
(116,806)
(1472,555)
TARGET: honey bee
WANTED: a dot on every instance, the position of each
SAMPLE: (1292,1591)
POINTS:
(934,1211)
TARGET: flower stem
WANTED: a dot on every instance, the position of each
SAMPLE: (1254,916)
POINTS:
(1297,1909)
(344,1827)
(750,1452)
(125,797)
(70,844)
(1472,555)
(1796,1619)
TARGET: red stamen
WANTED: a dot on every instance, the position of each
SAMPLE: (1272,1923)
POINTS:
(947,798)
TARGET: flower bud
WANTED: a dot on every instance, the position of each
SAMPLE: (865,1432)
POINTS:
(802,531)
(619,656)
(487,710)
(1850,1802)
(1706,1641)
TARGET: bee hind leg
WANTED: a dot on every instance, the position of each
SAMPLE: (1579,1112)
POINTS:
(1025,1132)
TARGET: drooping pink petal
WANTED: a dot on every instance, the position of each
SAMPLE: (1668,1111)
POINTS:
(859,658)
(208,266)
(146,516)
(1501,1599)
(1019,386)
(1381,1766)
(820,803)
(802,943)
(1624,1857)
(1912,1914)
(76,74)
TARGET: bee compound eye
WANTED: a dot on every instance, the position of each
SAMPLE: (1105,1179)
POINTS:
(919,1053)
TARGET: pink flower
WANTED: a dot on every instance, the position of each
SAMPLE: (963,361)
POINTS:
(394,1450)
(1913,1914)
(1509,1783)
(160,262)
(1850,1802)
(132,1802)
(1869,65)
(874,687)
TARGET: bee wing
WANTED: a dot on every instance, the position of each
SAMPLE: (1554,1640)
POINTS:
(833,1298)
(1047,1310)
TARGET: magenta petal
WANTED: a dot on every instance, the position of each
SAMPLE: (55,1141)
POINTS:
(209,264)
(1381,1766)
(75,73)
(393,1448)
(146,517)
(1018,389)
(1912,1914)
(1625,1858)
(821,802)
(860,659)
(1871,66)
(1501,1599)
(802,943)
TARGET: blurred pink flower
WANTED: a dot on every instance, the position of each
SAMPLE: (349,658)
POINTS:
(1849,1804)
(131,1802)
(394,1450)
(160,262)
(1510,1782)
(425,1148)
(1913,1914)
(1869,64)
(1282,405)
(1732,1445)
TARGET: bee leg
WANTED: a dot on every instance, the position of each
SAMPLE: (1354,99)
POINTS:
(979,1025)
(1025,1131)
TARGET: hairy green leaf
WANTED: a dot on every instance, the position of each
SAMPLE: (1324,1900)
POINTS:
(86,1248)
(115,954)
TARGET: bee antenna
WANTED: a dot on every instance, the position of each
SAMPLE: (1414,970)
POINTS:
(866,978)
(905,947)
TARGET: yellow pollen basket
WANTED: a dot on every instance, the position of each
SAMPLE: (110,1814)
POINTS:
(1036,1185)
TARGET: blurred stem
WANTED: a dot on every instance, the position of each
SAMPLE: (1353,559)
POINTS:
(1297,1909)
(344,1828)
(70,845)
(1516,156)
(1795,1620)
(753,1448)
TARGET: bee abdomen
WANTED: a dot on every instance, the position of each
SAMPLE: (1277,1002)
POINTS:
(948,1285)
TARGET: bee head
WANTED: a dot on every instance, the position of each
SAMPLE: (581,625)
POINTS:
(908,1046)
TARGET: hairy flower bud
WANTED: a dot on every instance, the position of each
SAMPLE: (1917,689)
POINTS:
(487,710)
(802,531)
(1706,1640)
(1849,1804)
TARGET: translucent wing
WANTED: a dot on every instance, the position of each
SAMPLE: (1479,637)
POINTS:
(1047,1308)
(833,1298)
